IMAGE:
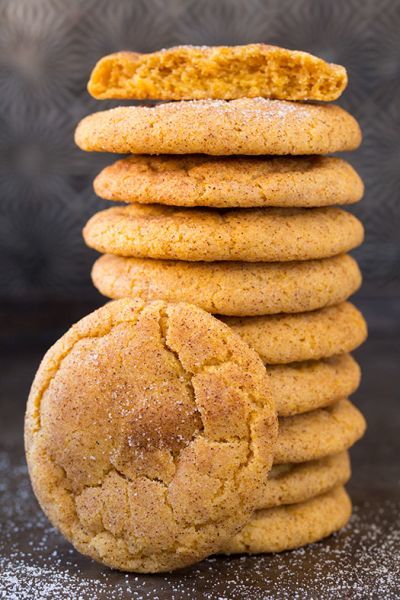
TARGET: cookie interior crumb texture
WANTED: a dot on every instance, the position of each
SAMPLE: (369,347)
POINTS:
(190,72)
(149,435)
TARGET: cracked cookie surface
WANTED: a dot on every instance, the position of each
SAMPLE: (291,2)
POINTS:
(250,235)
(194,72)
(231,288)
(230,181)
(149,434)
(251,126)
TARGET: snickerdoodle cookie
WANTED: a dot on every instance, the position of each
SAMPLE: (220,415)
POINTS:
(230,181)
(231,288)
(319,433)
(246,126)
(149,434)
(288,527)
(293,483)
(251,235)
(301,387)
(281,339)
(195,72)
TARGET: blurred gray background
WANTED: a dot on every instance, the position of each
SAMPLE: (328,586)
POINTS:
(47,50)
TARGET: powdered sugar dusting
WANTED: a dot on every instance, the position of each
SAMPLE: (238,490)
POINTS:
(245,107)
(35,562)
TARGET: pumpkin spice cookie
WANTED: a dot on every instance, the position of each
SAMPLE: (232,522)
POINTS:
(293,483)
(301,387)
(250,235)
(288,527)
(246,126)
(196,72)
(319,433)
(281,339)
(231,288)
(231,181)
(149,435)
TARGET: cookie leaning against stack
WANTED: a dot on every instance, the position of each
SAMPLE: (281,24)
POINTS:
(177,457)
(256,240)
(150,432)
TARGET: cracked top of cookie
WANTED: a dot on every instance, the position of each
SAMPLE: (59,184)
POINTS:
(150,432)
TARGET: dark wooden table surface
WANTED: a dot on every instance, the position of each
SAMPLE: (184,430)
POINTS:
(363,561)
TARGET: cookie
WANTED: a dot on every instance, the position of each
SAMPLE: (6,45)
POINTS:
(293,483)
(231,288)
(288,527)
(231,181)
(246,126)
(227,72)
(250,235)
(305,336)
(319,433)
(301,387)
(141,454)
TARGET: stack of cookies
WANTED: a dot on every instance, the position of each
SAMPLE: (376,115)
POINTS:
(232,205)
